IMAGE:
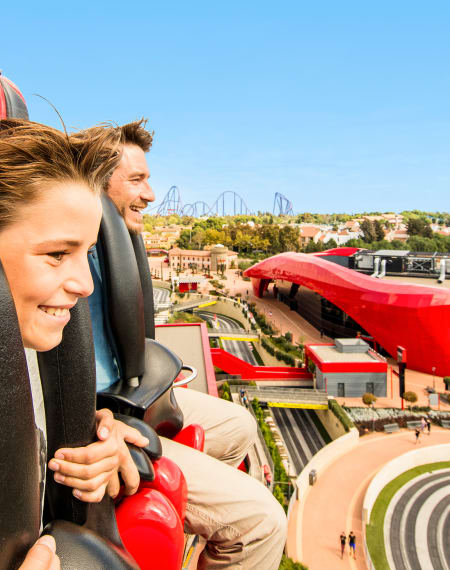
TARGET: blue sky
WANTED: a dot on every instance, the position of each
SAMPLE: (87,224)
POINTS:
(340,106)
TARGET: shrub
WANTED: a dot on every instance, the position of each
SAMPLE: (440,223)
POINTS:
(447,382)
(340,414)
(410,397)
(288,336)
(288,564)
(224,391)
(369,399)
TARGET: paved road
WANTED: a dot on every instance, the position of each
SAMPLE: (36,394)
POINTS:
(417,524)
(160,296)
(240,349)
(300,434)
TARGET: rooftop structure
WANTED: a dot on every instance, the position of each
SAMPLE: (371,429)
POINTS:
(348,368)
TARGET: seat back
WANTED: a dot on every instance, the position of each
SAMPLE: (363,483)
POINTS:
(130,310)
(123,298)
(146,284)
(19,464)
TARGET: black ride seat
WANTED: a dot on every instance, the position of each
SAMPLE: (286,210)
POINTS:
(148,369)
(96,547)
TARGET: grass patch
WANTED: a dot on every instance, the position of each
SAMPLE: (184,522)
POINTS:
(319,425)
(257,356)
(375,530)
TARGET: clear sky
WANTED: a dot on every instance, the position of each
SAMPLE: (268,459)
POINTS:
(338,105)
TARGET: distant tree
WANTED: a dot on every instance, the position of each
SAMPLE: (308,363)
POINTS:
(369,399)
(198,237)
(419,227)
(368,231)
(330,244)
(410,397)
(419,243)
(379,231)
(398,244)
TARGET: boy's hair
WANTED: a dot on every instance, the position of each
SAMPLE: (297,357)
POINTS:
(32,156)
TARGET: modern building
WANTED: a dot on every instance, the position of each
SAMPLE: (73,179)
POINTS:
(348,368)
(390,311)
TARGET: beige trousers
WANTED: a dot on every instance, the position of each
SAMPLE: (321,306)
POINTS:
(244,526)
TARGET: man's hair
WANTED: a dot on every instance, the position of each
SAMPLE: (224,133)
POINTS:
(136,133)
(33,156)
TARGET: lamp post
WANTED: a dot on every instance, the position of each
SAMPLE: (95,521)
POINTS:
(433,370)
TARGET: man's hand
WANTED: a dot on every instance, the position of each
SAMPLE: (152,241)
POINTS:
(42,556)
(92,469)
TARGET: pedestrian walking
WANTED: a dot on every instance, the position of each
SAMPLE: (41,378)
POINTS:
(417,432)
(428,425)
(352,544)
(343,540)
(423,423)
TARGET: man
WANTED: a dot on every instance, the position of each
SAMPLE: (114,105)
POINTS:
(243,524)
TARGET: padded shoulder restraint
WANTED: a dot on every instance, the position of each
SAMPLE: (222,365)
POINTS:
(19,466)
(122,287)
(69,387)
(146,284)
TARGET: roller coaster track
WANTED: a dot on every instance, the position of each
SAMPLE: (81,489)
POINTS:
(282,206)
(228,203)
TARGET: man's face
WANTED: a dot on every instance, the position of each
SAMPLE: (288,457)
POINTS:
(129,188)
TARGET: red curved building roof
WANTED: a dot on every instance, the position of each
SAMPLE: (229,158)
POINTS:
(416,317)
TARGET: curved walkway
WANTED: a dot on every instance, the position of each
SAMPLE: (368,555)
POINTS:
(416,522)
(334,503)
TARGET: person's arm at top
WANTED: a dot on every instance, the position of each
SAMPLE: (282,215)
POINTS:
(94,469)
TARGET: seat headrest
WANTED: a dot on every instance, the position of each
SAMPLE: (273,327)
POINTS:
(12,103)
(122,289)
(19,465)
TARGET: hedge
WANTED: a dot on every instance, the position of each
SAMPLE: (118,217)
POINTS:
(340,414)
(281,493)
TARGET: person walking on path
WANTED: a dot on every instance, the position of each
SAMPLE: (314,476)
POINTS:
(352,544)
(423,423)
(417,432)
(429,425)
(343,540)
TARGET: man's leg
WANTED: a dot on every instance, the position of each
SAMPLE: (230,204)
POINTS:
(243,524)
(230,430)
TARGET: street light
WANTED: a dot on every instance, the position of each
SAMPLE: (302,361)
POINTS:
(433,370)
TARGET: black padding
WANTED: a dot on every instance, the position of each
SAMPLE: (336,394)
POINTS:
(81,549)
(152,400)
(15,106)
(146,284)
(68,383)
(69,387)
(142,462)
(123,292)
(154,448)
(19,464)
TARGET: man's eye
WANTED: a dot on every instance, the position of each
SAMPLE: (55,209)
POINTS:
(58,255)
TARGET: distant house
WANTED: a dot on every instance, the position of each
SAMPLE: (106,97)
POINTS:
(161,237)
(202,259)
(309,233)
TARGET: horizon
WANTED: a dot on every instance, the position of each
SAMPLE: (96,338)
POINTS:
(337,107)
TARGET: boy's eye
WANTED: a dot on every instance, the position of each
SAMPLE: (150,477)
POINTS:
(58,255)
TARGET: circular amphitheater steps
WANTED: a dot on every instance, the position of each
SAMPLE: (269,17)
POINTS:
(417,524)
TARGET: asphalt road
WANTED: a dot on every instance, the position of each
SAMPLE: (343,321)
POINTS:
(241,349)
